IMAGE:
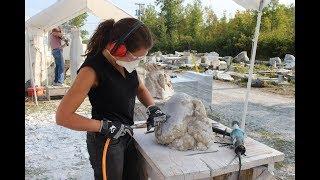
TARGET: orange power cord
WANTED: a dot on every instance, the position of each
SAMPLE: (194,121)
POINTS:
(104,159)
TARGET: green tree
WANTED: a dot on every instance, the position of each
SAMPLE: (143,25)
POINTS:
(277,35)
(210,17)
(194,19)
(209,30)
(78,22)
(157,27)
(193,27)
(171,13)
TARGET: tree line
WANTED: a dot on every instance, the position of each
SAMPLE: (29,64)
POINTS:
(194,27)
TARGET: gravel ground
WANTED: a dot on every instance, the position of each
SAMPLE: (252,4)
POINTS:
(54,152)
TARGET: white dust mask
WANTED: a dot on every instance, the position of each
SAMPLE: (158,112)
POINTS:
(130,66)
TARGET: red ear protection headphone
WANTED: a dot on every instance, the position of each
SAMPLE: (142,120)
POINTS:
(118,48)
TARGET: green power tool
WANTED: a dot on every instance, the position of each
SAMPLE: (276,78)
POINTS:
(237,136)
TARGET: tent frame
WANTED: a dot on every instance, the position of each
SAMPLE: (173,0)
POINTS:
(50,17)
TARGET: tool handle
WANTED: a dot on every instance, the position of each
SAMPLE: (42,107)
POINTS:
(220,131)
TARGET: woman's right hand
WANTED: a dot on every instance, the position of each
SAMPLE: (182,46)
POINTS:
(114,129)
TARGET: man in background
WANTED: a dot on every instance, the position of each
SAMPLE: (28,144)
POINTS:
(56,38)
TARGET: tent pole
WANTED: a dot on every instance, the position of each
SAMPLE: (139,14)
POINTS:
(253,56)
(45,60)
(31,70)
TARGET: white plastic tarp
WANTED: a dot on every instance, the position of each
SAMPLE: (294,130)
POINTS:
(56,14)
(76,50)
(64,10)
(252,4)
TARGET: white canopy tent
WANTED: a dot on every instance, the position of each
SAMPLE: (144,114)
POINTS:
(253,4)
(65,10)
(39,25)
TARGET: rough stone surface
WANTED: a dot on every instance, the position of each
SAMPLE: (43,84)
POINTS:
(188,128)
(212,59)
(223,65)
(204,65)
(209,71)
(224,76)
(289,61)
(152,59)
(289,57)
(221,75)
(258,83)
(227,59)
(274,62)
(242,57)
(158,82)
(141,73)
(284,71)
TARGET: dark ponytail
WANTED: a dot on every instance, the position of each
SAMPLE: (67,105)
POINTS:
(109,31)
(100,38)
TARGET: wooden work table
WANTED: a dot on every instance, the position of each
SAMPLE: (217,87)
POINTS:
(162,162)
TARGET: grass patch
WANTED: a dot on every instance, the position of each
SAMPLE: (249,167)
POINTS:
(34,171)
(186,68)
(240,68)
(266,134)
(262,67)
(270,86)
(287,90)
(279,165)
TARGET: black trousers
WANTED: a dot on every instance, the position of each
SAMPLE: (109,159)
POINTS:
(122,160)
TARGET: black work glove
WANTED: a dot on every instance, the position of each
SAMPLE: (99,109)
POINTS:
(156,116)
(115,129)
